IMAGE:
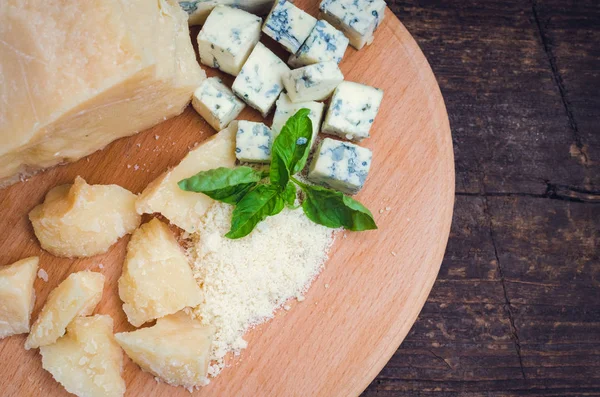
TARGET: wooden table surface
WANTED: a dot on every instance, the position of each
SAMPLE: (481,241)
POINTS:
(516,307)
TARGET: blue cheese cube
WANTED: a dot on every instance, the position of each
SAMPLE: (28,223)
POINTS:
(198,10)
(313,82)
(286,109)
(325,43)
(253,142)
(352,110)
(259,82)
(216,103)
(288,25)
(227,38)
(358,19)
(340,165)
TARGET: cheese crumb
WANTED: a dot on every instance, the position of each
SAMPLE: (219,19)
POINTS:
(43,275)
(381,211)
(100,265)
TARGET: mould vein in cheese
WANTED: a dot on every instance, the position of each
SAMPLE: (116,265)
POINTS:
(253,142)
(312,83)
(17,296)
(286,109)
(216,103)
(325,43)
(288,25)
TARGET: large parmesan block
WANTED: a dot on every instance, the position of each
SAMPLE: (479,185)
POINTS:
(185,209)
(77,295)
(87,361)
(17,296)
(76,75)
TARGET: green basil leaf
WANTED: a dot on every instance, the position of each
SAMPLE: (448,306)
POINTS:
(263,201)
(228,185)
(289,195)
(279,172)
(333,209)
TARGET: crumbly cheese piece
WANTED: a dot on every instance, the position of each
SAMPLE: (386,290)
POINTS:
(199,10)
(325,43)
(17,296)
(83,67)
(227,38)
(216,103)
(253,142)
(286,109)
(352,110)
(259,83)
(77,295)
(81,220)
(313,82)
(176,349)
(184,209)
(288,25)
(358,19)
(87,361)
(156,279)
(340,165)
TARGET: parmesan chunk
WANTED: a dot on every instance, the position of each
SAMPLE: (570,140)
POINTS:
(77,295)
(157,279)
(87,361)
(83,220)
(17,296)
(176,349)
(185,209)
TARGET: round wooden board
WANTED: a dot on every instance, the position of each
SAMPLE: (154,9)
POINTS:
(368,296)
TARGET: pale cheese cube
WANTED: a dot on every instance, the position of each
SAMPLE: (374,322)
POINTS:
(82,220)
(157,279)
(325,43)
(87,361)
(259,83)
(288,25)
(286,109)
(216,103)
(185,209)
(227,38)
(352,110)
(77,295)
(176,349)
(253,142)
(340,165)
(313,82)
(358,19)
(199,10)
(17,296)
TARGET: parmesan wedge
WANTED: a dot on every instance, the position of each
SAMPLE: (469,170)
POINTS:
(17,296)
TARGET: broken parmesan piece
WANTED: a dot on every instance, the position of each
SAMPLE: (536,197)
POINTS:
(77,295)
(176,349)
(157,279)
(87,361)
(17,296)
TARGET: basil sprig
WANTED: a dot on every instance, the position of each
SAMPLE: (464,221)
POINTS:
(255,200)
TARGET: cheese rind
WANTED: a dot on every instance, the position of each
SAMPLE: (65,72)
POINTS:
(176,349)
(198,10)
(358,19)
(77,295)
(352,110)
(325,43)
(87,361)
(288,25)
(185,209)
(17,296)
(286,109)
(157,279)
(214,101)
(340,165)
(253,142)
(313,82)
(227,38)
(259,82)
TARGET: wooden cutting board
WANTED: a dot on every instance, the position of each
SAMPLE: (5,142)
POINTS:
(367,298)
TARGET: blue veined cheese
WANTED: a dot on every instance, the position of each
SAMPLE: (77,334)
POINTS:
(325,43)
(288,25)
(358,19)
(198,10)
(352,110)
(216,103)
(313,82)
(286,109)
(227,38)
(340,165)
(253,142)
(259,82)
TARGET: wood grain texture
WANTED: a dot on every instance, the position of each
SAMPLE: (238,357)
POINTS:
(336,341)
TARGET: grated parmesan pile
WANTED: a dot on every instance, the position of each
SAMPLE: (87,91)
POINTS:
(244,281)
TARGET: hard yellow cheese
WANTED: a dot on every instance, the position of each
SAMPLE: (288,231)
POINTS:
(17,296)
